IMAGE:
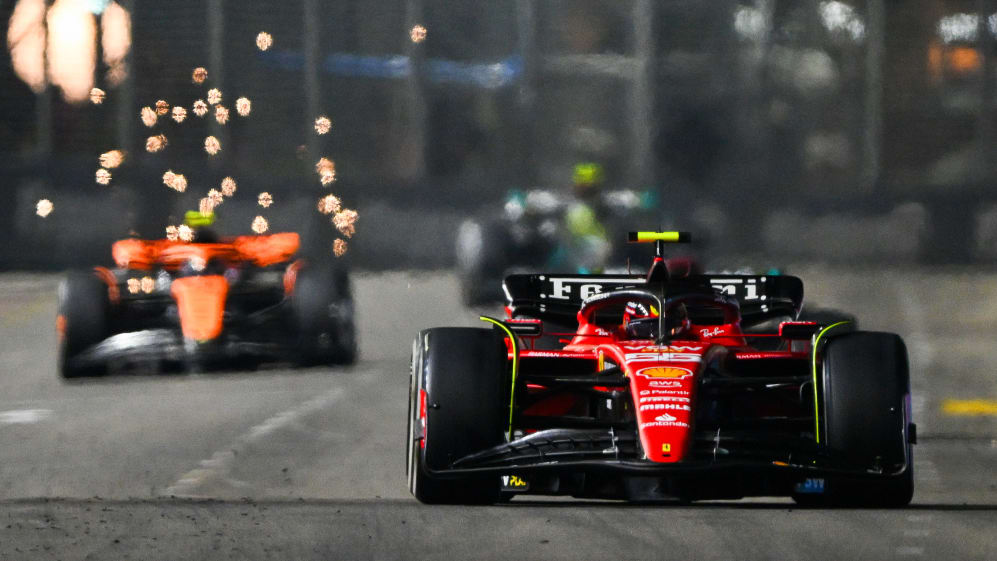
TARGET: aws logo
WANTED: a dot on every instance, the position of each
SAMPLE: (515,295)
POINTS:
(664,372)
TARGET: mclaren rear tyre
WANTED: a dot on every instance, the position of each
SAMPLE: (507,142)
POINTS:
(481,262)
(82,322)
(456,396)
(322,309)
(866,420)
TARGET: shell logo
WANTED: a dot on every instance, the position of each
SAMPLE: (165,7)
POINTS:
(665,372)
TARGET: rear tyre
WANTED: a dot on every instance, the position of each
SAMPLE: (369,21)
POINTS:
(866,418)
(481,262)
(322,310)
(82,322)
(462,374)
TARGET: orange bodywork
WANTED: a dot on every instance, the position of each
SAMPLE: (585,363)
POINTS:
(261,251)
(201,303)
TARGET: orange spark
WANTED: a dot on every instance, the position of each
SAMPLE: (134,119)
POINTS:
(264,41)
(322,124)
(162,107)
(339,247)
(243,106)
(221,114)
(199,75)
(228,186)
(97,96)
(185,233)
(44,208)
(147,285)
(345,221)
(214,96)
(329,204)
(155,143)
(172,233)
(179,114)
(206,205)
(134,285)
(148,116)
(212,146)
(200,108)
(265,199)
(103,176)
(418,34)
(326,169)
(260,225)
(216,196)
(112,159)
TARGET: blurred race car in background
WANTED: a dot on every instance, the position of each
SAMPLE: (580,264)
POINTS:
(530,234)
(230,302)
(651,387)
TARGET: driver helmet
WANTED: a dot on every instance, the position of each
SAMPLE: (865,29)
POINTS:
(640,321)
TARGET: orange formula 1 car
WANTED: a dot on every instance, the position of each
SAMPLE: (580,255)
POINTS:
(236,301)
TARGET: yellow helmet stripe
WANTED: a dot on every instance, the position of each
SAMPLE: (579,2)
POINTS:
(671,237)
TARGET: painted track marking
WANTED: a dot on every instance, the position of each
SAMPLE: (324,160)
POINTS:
(220,463)
(970,407)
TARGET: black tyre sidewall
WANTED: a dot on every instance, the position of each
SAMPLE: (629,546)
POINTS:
(85,308)
(315,290)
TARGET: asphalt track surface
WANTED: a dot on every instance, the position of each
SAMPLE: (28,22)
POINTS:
(309,464)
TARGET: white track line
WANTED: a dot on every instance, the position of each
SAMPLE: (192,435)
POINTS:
(220,463)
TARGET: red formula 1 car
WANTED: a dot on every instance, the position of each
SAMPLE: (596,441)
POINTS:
(655,387)
(236,301)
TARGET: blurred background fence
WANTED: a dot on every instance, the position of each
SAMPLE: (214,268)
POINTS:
(807,130)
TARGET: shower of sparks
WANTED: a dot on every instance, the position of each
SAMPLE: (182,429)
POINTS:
(112,159)
(162,107)
(148,116)
(147,285)
(214,96)
(260,225)
(418,34)
(179,114)
(265,199)
(326,169)
(200,108)
(206,205)
(155,143)
(243,106)
(97,96)
(221,114)
(44,208)
(212,146)
(339,247)
(329,204)
(199,75)
(264,41)
(216,196)
(322,124)
(172,233)
(228,186)
(103,176)
(185,233)
(345,221)
(134,285)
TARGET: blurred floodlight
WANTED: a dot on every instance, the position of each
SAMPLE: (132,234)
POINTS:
(749,23)
(959,28)
(26,42)
(72,48)
(115,39)
(839,17)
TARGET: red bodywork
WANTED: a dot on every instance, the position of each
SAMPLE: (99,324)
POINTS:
(663,378)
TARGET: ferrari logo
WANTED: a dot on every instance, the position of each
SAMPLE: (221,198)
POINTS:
(665,372)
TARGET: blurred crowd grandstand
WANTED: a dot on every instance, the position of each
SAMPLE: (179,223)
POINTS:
(806,130)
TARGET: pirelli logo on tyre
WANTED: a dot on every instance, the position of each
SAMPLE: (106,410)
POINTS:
(664,372)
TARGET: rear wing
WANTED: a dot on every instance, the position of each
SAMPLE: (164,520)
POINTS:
(558,297)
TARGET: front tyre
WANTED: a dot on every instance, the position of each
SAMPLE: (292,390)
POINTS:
(865,387)
(456,389)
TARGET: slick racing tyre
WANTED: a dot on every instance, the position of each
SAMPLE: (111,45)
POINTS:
(82,322)
(865,411)
(322,310)
(456,397)
(481,261)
